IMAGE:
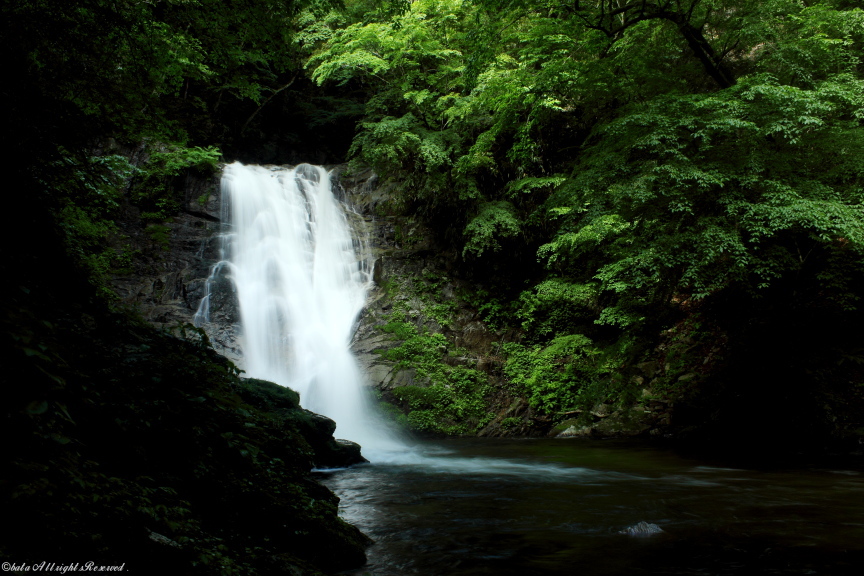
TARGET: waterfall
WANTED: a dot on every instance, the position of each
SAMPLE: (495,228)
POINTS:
(301,280)
(301,277)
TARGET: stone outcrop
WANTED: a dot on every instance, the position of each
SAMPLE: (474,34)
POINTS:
(171,279)
(316,429)
(407,260)
(642,530)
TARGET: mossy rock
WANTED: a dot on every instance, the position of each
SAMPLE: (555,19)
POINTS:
(269,394)
(124,432)
(317,430)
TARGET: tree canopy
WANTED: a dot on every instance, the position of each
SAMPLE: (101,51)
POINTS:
(672,146)
(654,156)
(611,169)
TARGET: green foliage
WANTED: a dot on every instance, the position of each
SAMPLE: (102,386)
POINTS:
(412,65)
(398,325)
(88,195)
(143,68)
(452,404)
(173,160)
(495,312)
(495,221)
(156,191)
(719,190)
(557,377)
(451,399)
(159,234)
(441,313)
(670,185)
(556,305)
(419,350)
(509,423)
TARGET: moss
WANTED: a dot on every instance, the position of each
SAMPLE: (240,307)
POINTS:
(443,399)
(122,432)
(269,395)
(160,235)
(512,422)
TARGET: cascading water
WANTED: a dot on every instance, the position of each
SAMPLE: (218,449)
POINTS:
(301,281)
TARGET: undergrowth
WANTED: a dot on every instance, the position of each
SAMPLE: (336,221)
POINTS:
(445,399)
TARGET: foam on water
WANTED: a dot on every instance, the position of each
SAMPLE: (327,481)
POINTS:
(301,280)
(301,276)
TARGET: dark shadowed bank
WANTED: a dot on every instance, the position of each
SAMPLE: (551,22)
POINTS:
(126,445)
(123,444)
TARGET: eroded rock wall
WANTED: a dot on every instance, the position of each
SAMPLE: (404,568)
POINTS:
(415,280)
(418,279)
(169,277)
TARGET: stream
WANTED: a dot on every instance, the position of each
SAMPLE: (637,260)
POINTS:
(527,506)
(478,506)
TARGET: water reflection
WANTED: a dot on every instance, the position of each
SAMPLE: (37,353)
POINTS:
(508,507)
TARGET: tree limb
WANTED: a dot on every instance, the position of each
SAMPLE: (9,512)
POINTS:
(242,130)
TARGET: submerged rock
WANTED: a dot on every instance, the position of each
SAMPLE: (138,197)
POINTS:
(642,529)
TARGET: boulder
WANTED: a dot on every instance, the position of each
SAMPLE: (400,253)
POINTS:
(642,529)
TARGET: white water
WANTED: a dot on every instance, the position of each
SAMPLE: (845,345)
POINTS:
(301,282)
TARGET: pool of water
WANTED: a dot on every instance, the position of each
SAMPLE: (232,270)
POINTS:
(524,507)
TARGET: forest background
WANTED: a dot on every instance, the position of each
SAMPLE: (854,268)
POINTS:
(638,189)
(627,183)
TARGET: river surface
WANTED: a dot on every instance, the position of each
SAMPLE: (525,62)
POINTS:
(546,507)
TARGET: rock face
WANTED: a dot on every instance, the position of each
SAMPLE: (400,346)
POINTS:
(420,279)
(412,274)
(316,429)
(171,278)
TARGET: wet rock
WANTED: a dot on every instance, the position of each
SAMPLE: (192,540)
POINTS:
(601,411)
(167,281)
(642,529)
(321,426)
(163,540)
(630,422)
(339,454)
(576,431)
(379,375)
(317,430)
(649,369)
(485,364)
(269,395)
(476,336)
